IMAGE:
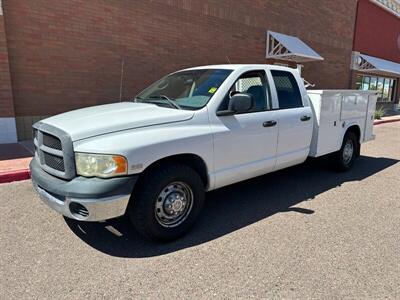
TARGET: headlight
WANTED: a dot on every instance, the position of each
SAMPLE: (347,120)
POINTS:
(100,165)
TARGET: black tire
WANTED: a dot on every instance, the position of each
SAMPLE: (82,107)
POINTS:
(342,161)
(142,208)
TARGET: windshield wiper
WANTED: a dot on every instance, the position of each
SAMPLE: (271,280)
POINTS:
(169,100)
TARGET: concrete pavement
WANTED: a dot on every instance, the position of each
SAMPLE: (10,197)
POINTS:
(301,233)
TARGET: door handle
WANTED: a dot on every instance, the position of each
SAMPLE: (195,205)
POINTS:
(305,118)
(269,123)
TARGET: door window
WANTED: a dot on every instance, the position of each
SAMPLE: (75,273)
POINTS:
(287,89)
(253,83)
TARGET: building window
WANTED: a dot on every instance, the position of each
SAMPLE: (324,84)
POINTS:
(383,85)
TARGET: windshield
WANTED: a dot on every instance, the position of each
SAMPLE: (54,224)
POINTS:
(185,89)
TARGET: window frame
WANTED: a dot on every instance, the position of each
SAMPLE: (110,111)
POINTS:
(268,94)
(297,86)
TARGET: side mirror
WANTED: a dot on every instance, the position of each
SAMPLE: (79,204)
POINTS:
(239,103)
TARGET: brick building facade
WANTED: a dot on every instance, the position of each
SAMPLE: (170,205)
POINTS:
(7,114)
(68,54)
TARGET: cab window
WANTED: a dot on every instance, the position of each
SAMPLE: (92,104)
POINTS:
(287,89)
(253,83)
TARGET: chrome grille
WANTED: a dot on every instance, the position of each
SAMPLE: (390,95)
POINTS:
(54,151)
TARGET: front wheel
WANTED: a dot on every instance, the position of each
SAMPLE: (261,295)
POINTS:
(344,158)
(167,202)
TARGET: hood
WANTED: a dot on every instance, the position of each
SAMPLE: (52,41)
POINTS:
(102,119)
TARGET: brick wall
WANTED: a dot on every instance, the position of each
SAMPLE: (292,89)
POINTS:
(6,99)
(8,132)
(67,54)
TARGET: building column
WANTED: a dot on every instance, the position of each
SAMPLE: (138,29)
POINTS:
(8,131)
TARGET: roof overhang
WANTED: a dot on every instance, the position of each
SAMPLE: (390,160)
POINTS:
(289,48)
(371,64)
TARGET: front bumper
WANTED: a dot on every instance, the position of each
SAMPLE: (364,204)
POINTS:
(85,199)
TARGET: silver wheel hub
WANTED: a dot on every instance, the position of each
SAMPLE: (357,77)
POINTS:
(348,151)
(173,204)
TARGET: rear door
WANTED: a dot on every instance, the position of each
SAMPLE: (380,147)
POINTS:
(294,116)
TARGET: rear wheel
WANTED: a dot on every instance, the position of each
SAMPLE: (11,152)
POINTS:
(167,202)
(344,158)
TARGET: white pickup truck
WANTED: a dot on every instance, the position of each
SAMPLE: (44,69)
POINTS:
(193,131)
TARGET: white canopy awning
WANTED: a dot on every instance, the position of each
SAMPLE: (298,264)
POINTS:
(285,47)
(366,63)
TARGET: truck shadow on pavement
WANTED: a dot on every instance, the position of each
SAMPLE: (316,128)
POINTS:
(232,208)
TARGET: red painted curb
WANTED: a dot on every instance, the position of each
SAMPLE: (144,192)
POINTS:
(386,121)
(15,176)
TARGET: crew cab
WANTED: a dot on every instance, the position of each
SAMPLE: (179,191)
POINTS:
(193,131)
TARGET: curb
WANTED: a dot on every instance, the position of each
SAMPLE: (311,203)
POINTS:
(14,176)
(377,122)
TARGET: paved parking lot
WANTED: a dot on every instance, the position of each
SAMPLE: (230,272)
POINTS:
(305,232)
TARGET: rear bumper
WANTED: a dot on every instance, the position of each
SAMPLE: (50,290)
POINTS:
(85,199)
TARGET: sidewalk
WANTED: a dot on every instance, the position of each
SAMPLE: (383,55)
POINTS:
(14,161)
(389,119)
(15,158)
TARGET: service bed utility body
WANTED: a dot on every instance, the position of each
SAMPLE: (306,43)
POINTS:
(192,131)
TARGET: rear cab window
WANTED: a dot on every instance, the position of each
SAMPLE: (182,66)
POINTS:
(287,89)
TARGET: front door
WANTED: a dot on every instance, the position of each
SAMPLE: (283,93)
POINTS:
(245,144)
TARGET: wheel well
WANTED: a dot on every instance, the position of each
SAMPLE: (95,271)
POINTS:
(356,130)
(192,160)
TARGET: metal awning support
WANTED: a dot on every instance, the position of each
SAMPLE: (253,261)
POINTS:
(371,64)
(290,48)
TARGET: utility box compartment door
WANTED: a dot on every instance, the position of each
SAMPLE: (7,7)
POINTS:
(336,110)
(369,121)
(354,106)
(326,133)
